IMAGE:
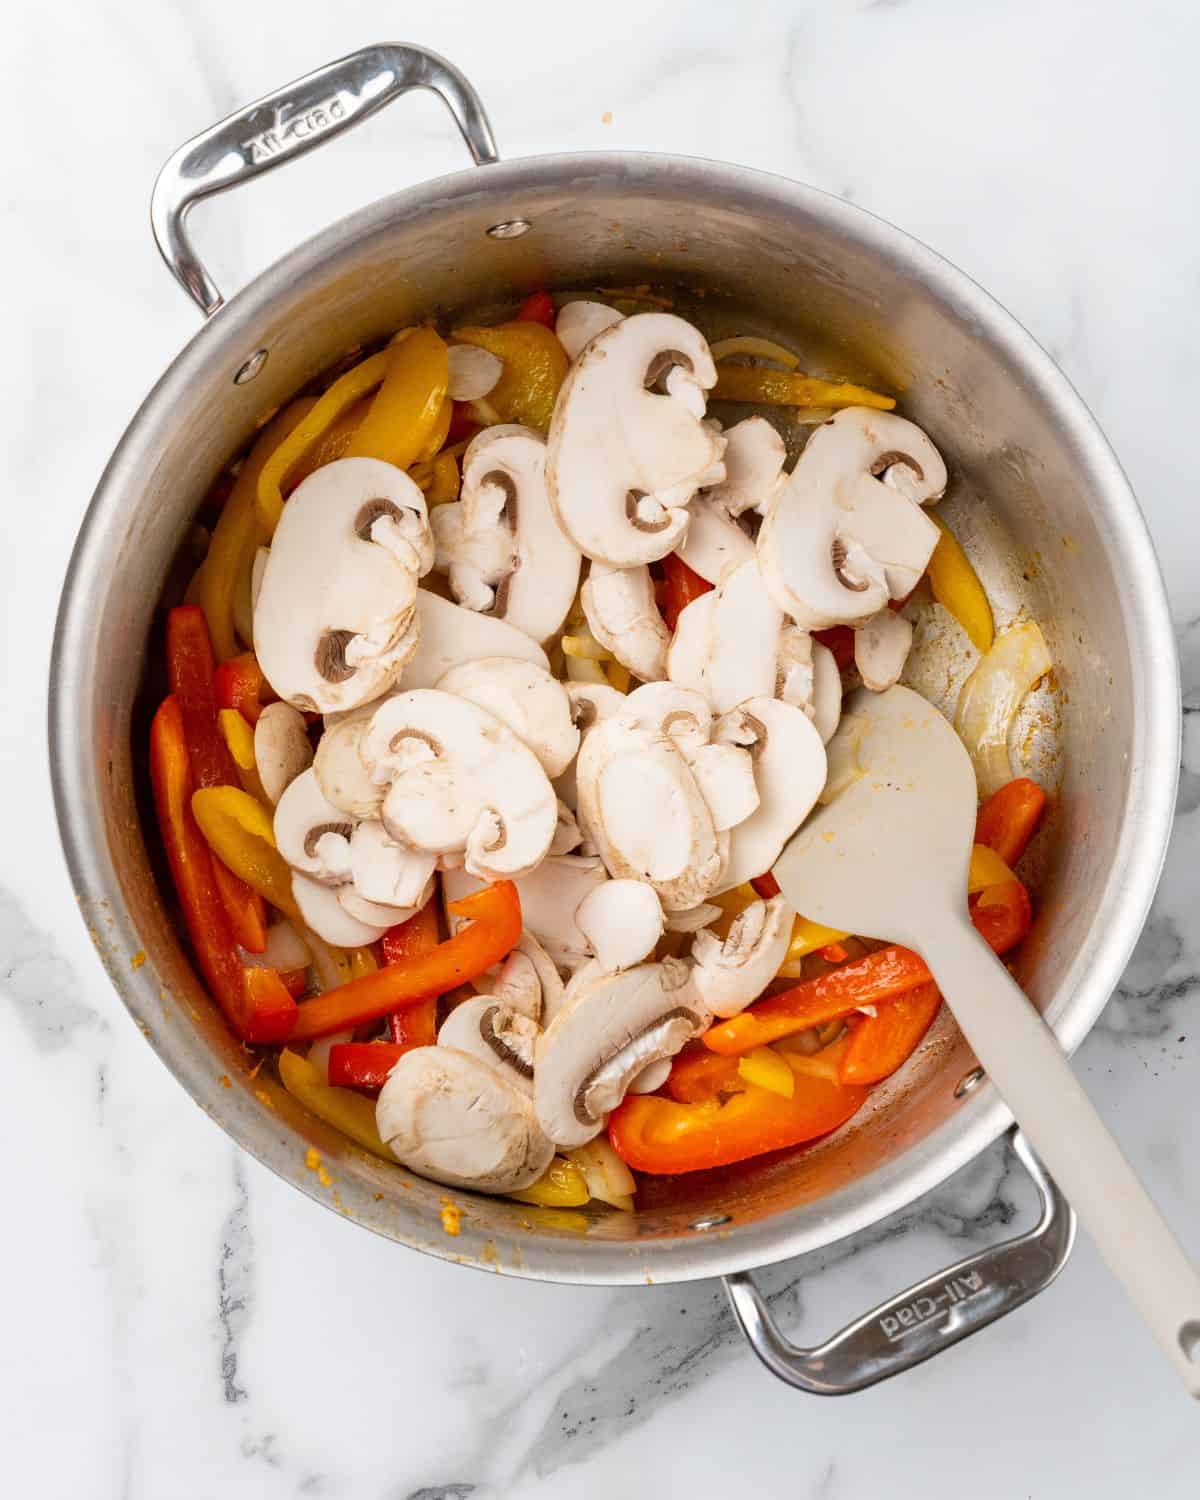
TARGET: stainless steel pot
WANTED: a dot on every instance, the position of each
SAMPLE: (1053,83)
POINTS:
(1066,538)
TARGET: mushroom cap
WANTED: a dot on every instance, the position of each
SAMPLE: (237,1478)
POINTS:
(452,1118)
(590,702)
(386,872)
(533,704)
(623,614)
(754,455)
(334,622)
(694,918)
(505,552)
(827,692)
(550,897)
(614,1028)
(341,771)
(495,1033)
(377,914)
(311,834)
(623,460)
(281,748)
(725,776)
(460,780)
(726,642)
(837,541)
(526,981)
(450,634)
(578,323)
(715,543)
(789,771)
(808,677)
(622,920)
(324,913)
(567,833)
(682,714)
(641,807)
(728,975)
(881,648)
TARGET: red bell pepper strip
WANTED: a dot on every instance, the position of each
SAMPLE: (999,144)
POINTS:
(190,670)
(840,640)
(696,1074)
(538,307)
(462,424)
(255,1001)
(680,586)
(658,1135)
(239,683)
(295,981)
(880,1043)
(363,1065)
(766,885)
(492,933)
(416,1026)
(1008,818)
(1001,916)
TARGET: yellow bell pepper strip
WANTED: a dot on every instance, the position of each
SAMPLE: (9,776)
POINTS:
(987,868)
(238,534)
(789,388)
(255,1001)
(491,934)
(436,440)
(446,481)
(408,410)
(767,1070)
(561,1185)
(277,471)
(657,1135)
(807,937)
(535,366)
(879,1044)
(957,588)
(239,737)
(238,829)
(332,444)
(345,1110)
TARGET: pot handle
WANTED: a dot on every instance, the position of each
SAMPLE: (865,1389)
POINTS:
(924,1319)
(297,118)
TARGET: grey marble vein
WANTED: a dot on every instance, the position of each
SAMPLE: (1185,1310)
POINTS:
(45,991)
(235,1286)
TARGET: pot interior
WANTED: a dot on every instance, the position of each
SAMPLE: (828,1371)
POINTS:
(1032,495)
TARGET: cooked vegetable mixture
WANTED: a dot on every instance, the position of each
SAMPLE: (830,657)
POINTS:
(507,676)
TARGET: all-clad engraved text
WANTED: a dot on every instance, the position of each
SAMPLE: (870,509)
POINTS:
(290,130)
(914,1315)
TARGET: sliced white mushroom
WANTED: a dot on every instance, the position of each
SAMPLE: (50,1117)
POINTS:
(639,803)
(550,896)
(325,915)
(808,677)
(496,1034)
(609,1034)
(728,975)
(789,770)
(500,543)
(623,460)
(526,981)
(623,614)
(827,692)
(473,372)
(715,543)
(460,780)
(342,773)
(578,323)
(533,704)
(754,455)
(455,1119)
(311,834)
(725,776)
(622,920)
(726,643)
(335,621)
(881,648)
(378,914)
(281,748)
(450,634)
(694,918)
(590,702)
(837,541)
(680,713)
(567,835)
(258,569)
(383,870)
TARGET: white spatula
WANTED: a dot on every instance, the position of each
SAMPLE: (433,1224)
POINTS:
(887,858)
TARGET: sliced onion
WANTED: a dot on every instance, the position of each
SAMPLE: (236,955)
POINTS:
(757,348)
(991,696)
(473,372)
(285,950)
(606,1175)
(318,1053)
(583,669)
(485,413)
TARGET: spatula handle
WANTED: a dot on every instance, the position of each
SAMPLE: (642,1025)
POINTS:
(1023,1059)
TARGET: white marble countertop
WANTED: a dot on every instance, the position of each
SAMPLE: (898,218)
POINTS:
(181,1324)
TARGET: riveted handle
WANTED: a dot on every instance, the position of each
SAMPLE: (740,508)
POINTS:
(924,1319)
(295,119)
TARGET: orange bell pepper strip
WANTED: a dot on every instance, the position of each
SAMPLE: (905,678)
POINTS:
(492,933)
(255,1001)
(408,407)
(1008,818)
(680,586)
(789,388)
(879,1044)
(190,672)
(696,1074)
(535,366)
(1001,916)
(657,1135)
(364,1065)
(416,1026)
(538,307)
(239,683)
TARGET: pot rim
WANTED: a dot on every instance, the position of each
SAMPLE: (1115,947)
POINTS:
(1153,774)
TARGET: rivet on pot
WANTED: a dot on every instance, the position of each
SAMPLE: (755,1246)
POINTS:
(709,1221)
(967,1083)
(251,368)
(509,229)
